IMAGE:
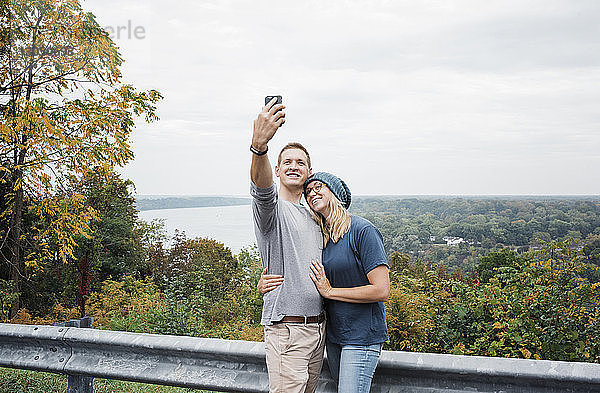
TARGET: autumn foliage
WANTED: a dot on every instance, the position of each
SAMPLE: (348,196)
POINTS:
(539,305)
(64,110)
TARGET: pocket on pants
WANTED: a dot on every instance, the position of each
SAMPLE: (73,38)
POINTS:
(285,337)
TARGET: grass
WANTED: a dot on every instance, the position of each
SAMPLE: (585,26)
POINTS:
(20,381)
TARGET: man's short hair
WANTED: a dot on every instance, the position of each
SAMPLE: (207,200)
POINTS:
(294,145)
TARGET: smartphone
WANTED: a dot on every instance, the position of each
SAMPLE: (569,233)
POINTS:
(269,98)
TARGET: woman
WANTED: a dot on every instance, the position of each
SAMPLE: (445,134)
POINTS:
(354,280)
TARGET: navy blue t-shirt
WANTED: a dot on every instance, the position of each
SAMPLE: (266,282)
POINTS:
(355,323)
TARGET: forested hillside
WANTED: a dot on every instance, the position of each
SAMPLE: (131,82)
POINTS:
(477,225)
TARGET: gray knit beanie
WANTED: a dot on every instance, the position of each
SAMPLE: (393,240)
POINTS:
(335,184)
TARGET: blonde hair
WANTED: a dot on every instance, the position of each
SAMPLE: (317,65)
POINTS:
(339,221)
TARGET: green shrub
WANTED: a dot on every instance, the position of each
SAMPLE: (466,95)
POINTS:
(530,307)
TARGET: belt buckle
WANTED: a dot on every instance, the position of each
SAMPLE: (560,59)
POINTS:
(305,319)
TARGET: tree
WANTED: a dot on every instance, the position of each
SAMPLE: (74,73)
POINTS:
(592,249)
(489,264)
(118,246)
(202,268)
(398,262)
(63,110)
(115,248)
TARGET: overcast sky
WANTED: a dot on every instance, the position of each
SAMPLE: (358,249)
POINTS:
(395,97)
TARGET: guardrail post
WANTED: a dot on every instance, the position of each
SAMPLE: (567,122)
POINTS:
(80,383)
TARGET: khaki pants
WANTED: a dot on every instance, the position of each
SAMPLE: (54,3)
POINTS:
(294,356)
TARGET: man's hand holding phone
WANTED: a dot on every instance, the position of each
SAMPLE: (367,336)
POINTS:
(268,121)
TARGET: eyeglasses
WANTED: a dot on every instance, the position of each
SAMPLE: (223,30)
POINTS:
(316,188)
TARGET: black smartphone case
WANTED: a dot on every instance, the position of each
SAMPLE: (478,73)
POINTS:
(269,98)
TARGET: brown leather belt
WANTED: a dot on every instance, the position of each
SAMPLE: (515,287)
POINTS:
(293,319)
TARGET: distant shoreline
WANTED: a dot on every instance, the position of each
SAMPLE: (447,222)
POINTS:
(181,202)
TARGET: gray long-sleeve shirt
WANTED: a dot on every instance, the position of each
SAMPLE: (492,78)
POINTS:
(288,240)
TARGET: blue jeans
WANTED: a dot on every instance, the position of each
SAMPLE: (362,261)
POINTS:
(353,366)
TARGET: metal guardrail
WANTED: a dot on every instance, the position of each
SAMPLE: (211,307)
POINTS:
(239,366)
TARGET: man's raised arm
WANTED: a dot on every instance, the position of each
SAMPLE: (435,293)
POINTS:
(265,126)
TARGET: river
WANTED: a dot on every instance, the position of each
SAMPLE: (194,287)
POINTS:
(231,225)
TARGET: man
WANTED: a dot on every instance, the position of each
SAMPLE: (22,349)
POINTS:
(288,240)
